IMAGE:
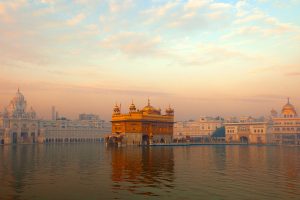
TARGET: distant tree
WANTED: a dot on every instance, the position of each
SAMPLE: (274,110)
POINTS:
(219,132)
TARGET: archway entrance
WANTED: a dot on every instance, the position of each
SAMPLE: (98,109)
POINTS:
(15,138)
(33,137)
(24,136)
(145,139)
(244,139)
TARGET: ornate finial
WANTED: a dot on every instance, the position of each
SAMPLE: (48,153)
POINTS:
(18,89)
(148,101)
(288,100)
(169,110)
(131,101)
(132,107)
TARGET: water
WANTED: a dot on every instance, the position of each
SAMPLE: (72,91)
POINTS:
(92,171)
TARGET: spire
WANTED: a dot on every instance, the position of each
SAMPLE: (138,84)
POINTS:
(18,90)
(148,101)
(117,109)
(132,107)
(288,100)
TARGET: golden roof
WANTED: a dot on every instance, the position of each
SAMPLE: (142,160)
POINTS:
(288,108)
(150,109)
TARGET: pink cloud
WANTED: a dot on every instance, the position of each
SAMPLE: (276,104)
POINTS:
(76,20)
(293,74)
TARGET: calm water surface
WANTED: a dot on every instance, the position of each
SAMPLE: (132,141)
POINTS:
(92,171)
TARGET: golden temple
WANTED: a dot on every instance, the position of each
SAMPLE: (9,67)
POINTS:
(141,127)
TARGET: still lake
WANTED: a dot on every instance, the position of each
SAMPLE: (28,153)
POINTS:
(93,171)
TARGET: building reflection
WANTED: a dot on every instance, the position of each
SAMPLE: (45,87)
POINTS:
(277,165)
(139,170)
(47,171)
(14,162)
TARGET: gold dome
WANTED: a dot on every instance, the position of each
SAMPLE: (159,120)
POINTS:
(288,110)
(150,109)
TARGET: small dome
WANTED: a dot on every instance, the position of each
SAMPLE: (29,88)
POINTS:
(170,111)
(132,107)
(274,113)
(19,96)
(116,109)
(17,106)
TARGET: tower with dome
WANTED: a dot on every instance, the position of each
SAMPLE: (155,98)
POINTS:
(145,126)
(18,123)
(286,126)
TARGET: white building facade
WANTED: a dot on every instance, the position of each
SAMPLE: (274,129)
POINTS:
(204,127)
(248,130)
(74,130)
(286,126)
(17,123)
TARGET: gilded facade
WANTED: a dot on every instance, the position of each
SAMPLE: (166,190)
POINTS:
(145,126)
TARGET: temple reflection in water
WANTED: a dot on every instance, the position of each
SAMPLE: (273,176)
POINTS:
(142,168)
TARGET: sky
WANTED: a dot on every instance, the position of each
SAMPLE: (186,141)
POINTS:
(203,57)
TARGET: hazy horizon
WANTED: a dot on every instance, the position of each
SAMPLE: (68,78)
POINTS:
(203,57)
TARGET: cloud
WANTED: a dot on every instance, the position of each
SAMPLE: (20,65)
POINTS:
(266,26)
(2,9)
(293,74)
(47,1)
(210,54)
(157,13)
(15,4)
(280,3)
(242,8)
(76,19)
(44,11)
(256,15)
(20,54)
(54,86)
(220,6)
(252,21)
(132,43)
(270,65)
(190,16)
(119,5)
(196,4)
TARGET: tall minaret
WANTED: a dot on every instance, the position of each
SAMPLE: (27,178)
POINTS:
(53,113)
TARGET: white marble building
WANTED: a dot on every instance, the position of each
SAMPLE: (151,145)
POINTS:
(203,127)
(65,130)
(17,123)
(286,125)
